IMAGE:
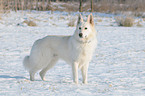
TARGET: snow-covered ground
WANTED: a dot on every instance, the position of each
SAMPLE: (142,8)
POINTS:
(117,68)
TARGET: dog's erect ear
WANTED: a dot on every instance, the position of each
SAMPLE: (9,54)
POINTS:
(80,19)
(90,19)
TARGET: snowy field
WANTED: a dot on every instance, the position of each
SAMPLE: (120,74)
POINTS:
(117,68)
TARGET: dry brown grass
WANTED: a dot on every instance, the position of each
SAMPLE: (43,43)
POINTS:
(26,21)
(99,20)
(30,23)
(139,24)
(34,19)
(54,24)
(125,21)
(51,17)
(45,21)
(0,18)
(71,23)
(61,18)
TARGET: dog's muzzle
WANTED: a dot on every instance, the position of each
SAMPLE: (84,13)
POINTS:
(81,35)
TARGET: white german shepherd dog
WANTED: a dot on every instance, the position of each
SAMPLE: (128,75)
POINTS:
(77,50)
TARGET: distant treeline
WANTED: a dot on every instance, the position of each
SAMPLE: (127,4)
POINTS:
(74,5)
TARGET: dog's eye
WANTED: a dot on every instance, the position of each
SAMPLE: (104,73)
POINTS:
(86,28)
(79,27)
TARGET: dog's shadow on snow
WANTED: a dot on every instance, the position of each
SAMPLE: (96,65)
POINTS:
(12,77)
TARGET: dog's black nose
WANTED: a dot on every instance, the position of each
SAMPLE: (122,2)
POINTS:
(81,35)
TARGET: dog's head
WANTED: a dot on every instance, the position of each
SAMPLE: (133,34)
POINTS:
(85,30)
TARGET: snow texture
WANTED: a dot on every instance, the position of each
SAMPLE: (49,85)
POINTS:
(117,68)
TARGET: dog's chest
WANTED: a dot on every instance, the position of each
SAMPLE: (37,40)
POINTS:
(82,53)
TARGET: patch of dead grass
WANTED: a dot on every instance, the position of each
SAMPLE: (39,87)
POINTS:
(30,23)
(71,22)
(0,18)
(125,21)
(99,20)
(139,24)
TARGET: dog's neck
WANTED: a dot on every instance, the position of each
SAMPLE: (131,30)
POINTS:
(83,42)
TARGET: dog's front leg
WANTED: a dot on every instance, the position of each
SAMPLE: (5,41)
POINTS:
(84,70)
(75,72)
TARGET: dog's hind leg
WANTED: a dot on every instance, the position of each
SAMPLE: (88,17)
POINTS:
(49,66)
(32,74)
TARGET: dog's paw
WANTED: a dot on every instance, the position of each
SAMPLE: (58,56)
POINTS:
(43,79)
(85,82)
(76,82)
(32,79)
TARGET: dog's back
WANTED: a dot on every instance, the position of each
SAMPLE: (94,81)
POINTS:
(45,49)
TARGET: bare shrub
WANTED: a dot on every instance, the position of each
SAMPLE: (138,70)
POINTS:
(70,6)
(109,6)
(71,23)
(138,14)
(49,8)
(125,21)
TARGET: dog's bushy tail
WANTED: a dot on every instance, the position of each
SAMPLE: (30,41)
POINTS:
(26,63)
